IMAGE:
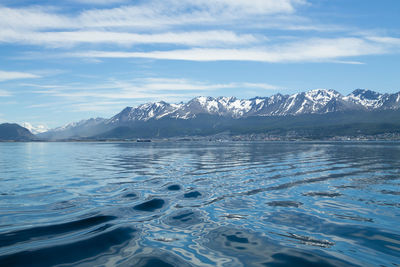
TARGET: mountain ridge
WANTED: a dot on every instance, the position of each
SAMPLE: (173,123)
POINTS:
(317,101)
(314,101)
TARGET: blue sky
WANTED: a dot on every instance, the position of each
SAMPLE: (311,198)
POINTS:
(68,60)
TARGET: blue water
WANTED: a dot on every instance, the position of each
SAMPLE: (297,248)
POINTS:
(200,204)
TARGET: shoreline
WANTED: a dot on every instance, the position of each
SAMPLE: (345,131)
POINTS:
(210,141)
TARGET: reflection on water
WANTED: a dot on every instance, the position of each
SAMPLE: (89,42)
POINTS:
(251,249)
(199,204)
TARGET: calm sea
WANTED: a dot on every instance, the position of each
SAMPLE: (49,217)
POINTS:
(200,204)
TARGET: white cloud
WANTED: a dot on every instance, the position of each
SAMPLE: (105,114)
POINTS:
(4,93)
(385,40)
(99,2)
(147,22)
(311,50)
(146,14)
(241,6)
(13,75)
(110,107)
(161,13)
(32,18)
(148,88)
(264,86)
(62,39)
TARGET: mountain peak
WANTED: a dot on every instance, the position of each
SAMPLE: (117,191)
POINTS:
(203,99)
(153,105)
(323,92)
(367,98)
(226,99)
(365,94)
(127,110)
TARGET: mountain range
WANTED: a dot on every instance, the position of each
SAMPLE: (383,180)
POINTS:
(147,120)
(278,113)
(312,102)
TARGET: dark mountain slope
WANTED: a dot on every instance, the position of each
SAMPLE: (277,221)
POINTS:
(14,132)
(308,125)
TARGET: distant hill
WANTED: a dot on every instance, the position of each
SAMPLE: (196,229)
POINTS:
(14,132)
(81,129)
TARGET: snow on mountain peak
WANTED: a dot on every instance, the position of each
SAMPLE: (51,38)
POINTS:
(35,129)
(226,100)
(322,94)
(366,98)
(365,94)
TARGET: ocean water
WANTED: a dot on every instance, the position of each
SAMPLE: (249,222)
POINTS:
(200,204)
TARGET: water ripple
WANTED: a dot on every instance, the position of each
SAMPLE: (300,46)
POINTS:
(200,204)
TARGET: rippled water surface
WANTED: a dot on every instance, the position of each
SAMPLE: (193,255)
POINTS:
(200,204)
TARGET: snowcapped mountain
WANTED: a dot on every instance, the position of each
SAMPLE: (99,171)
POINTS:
(318,101)
(35,129)
(144,112)
(373,100)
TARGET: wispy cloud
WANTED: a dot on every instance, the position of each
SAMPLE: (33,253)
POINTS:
(385,40)
(311,50)
(14,75)
(4,93)
(100,2)
(146,22)
(71,38)
(147,88)
(145,14)
(98,106)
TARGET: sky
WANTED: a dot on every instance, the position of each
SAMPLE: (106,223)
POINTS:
(67,60)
